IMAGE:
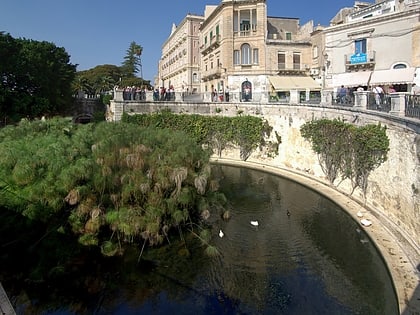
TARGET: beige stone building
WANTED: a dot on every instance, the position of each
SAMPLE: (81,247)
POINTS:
(242,55)
(236,52)
(253,56)
(179,65)
(374,44)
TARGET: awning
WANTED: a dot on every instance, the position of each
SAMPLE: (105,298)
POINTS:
(351,79)
(287,83)
(392,76)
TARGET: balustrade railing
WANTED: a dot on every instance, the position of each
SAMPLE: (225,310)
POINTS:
(398,104)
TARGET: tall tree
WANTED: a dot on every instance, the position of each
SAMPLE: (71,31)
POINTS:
(132,60)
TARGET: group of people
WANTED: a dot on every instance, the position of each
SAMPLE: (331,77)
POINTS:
(346,95)
(133,93)
(164,94)
(220,96)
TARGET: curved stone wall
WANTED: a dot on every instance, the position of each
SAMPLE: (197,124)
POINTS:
(394,188)
(393,192)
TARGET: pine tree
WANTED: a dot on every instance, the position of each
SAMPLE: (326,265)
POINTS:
(132,61)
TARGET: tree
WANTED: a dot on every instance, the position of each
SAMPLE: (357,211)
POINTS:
(36,78)
(132,61)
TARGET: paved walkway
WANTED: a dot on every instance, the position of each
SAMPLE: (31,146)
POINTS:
(402,261)
(6,307)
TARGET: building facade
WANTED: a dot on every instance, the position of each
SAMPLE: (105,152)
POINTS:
(246,55)
(179,65)
(235,52)
(373,45)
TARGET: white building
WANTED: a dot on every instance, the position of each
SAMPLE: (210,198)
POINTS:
(374,44)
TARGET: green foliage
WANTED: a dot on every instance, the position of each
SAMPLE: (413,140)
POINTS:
(217,133)
(346,150)
(36,78)
(117,183)
(102,79)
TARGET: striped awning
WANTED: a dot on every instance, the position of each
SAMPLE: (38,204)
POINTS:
(287,83)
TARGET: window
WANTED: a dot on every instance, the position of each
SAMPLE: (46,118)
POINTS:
(296,61)
(315,52)
(254,19)
(205,40)
(288,36)
(195,77)
(217,30)
(245,25)
(255,58)
(245,21)
(360,46)
(245,54)
(236,60)
(211,35)
(281,60)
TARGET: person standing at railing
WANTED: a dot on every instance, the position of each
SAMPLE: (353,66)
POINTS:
(379,92)
(415,89)
(342,94)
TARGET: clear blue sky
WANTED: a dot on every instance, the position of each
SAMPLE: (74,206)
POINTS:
(96,32)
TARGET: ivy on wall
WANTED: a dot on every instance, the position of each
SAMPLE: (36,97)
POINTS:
(217,133)
(347,151)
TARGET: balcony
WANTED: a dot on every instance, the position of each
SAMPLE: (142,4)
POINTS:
(213,44)
(246,30)
(296,69)
(362,61)
(214,73)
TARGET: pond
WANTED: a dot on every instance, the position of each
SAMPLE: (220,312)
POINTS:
(306,256)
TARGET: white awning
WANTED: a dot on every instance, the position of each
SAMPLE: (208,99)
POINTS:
(392,76)
(287,83)
(351,79)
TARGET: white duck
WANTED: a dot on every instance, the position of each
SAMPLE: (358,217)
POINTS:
(221,234)
(366,222)
(254,223)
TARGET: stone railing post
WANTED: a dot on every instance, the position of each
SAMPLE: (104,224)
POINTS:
(361,99)
(398,104)
(326,97)
(118,94)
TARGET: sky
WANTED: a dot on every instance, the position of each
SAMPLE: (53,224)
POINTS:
(97,32)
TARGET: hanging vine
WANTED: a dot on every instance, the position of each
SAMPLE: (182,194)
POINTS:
(346,150)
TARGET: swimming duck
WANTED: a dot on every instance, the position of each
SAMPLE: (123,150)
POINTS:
(221,234)
(254,223)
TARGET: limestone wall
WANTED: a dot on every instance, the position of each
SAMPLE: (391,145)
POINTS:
(394,188)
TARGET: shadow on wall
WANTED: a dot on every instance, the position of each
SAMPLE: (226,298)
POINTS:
(413,304)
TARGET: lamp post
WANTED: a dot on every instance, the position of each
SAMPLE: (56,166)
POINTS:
(325,68)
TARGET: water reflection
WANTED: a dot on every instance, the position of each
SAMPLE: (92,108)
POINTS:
(314,261)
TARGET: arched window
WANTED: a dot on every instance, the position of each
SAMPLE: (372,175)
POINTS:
(246,54)
(399,66)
